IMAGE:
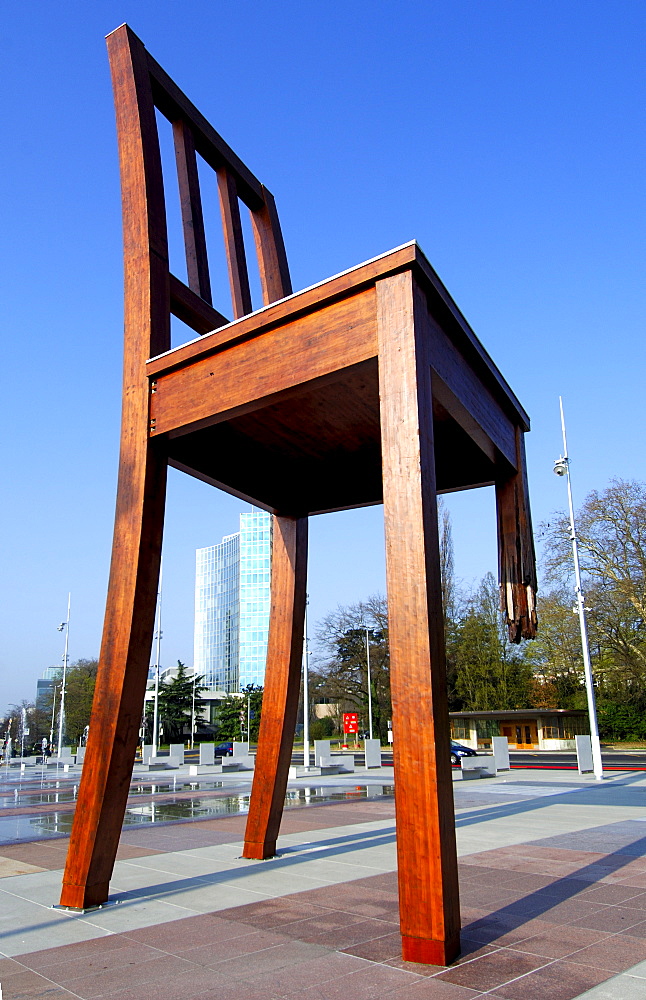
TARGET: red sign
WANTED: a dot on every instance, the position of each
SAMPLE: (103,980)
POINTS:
(350,722)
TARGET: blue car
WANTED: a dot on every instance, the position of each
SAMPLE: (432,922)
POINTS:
(224,750)
(457,751)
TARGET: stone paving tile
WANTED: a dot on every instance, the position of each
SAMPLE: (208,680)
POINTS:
(616,953)
(44,854)
(634,902)
(381,949)
(370,983)
(611,918)
(558,981)
(496,929)
(636,931)
(199,983)
(615,894)
(180,936)
(139,973)
(80,952)
(30,985)
(519,947)
(279,911)
(270,959)
(491,971)
(568,911)
(98,962)
(470,950)
(346,935)
(557,941)
(638,881)
(9,967)
(432,989)
(9,866)
(293,979)
(386,882)
(218,950)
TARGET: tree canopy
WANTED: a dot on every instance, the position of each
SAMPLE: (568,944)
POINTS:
(235,711)
(176,699)
(611,530)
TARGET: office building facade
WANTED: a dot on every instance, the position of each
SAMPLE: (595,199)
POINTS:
(232,600)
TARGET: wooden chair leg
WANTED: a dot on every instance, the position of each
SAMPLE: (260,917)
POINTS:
(121,680)
(426,849)
(282,686)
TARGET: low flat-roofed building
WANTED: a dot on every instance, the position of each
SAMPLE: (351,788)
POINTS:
(525,728)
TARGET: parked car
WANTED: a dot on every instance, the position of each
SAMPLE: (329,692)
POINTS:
(224,750)
(457,751)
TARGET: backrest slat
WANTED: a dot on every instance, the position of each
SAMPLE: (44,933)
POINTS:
(234,243)
(272,259)
(175,105)
(197,264)
(141,86)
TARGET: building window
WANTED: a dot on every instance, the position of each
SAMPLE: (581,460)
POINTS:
(232,600)
(460,729)
(558,728)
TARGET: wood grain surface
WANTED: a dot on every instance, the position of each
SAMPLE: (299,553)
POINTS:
(426,851)
(282,686)
(132,589)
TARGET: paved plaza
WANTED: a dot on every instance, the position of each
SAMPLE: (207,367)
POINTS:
(552,884)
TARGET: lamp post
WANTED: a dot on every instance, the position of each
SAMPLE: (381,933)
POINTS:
(61,712)
(51,728)
(369,680)
(158,636)
(306,695)
(562,468)
(193,712)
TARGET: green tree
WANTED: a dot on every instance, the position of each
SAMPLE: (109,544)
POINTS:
(80,681)
(555,654)
(490,672)
(322,729)
(176,702)
(79,694)
(38,723)
(233,714)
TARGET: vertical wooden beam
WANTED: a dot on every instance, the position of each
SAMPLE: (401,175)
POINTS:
(197,263)
(134,572)
(282,686)
(234,243)
(426,850)
(270,249)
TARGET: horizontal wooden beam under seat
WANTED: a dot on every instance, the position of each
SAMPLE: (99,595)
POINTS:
(462,394)
(331,339)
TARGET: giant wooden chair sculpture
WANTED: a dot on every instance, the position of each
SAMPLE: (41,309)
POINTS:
(367,388)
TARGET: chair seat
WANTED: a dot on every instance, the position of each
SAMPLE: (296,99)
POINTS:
(281,407)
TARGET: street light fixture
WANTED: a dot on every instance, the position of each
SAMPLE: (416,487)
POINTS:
(562,468)
(61,713)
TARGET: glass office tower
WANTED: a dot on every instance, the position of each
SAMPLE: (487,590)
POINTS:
(232,597)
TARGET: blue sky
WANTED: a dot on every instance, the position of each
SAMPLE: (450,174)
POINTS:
(505,136)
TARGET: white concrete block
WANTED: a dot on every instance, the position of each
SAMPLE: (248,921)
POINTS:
(500,746)
(373,753)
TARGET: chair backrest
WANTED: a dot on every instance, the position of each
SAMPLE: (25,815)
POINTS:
(140,87)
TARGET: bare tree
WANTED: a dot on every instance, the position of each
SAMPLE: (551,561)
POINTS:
(611,528)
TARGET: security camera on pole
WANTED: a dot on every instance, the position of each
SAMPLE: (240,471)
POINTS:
(562,468)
